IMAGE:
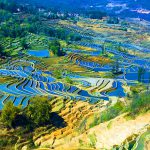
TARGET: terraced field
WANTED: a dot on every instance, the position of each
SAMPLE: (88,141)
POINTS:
(32,82)
(36,82)
(95,73)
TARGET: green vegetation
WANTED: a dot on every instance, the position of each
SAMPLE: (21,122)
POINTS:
(68,80)
(95,122)
(113,20)
(143,140)
(104,49)
(63,33)
(140,103)
(93,140)
(55,47)
(141,72)
(138,88)
(18,22)
(7,142)
(24,44)
(95,14)
(112,112)
(37,114)
(121,49)
(9,114)
(1,50)
(57,74)
(115,68)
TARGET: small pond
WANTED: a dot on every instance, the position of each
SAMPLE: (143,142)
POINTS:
(39,53)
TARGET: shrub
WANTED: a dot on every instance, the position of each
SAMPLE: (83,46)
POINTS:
(55,47)
(68,80)
(112,112)
(93,140)
(9,114)
(7,141)
(113,20)
(38,112)
(140,103)
(138,88)
(95,122)
(57,74)
(24,44)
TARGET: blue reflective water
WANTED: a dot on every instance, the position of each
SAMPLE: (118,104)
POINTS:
(39,53)
(25,102)
(1,101)
(119,92)
(18,100)
(72,89)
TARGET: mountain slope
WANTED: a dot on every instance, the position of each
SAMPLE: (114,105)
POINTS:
(121,8)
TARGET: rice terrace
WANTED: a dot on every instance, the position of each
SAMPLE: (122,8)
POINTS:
(74,78)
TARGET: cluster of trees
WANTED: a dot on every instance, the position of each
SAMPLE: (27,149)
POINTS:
(24,44)
(55,47)
(103,49)
(141,72)
(112,20)
(121,49)
(116,68)
(12,29)
(38,113)
(63,34)
(57,74)
(30,21)
(3,52)
(37,27)
(4,15)
(69,80)
(18,25)
(15,7)
(9,6)
(95,14)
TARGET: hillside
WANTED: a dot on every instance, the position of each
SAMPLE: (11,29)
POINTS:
(74,79)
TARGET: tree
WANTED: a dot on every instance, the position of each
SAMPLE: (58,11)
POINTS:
(57,74)
(95,14)
(24,44)
(103,49)
(55,47)
(121,49)
(113,20)
(141,72)
(69,80)
(9,113)
(1,50)
(115,69)
(38,112)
